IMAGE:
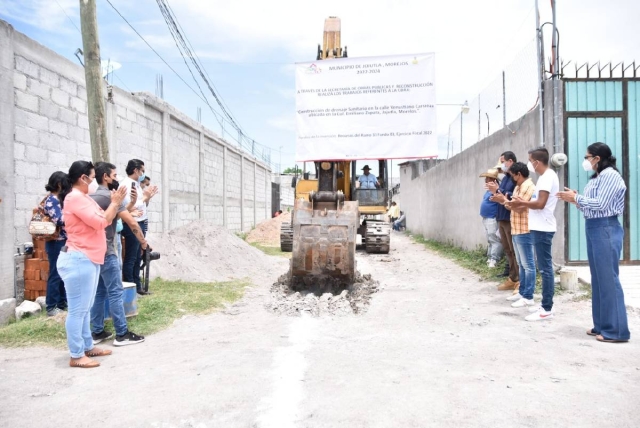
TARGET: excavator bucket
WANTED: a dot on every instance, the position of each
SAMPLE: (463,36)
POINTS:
(324,247)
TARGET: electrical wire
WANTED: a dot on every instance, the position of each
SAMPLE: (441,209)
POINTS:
(154,51)
(68,17)
(186,50)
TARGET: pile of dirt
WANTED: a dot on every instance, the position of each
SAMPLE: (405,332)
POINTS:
(268,231)
(352,300)
(204,252)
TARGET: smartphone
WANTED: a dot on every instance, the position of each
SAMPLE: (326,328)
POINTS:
(133,185)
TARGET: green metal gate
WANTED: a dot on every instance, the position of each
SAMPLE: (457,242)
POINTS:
(608,111)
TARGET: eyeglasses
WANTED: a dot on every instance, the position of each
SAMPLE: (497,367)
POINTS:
(589,157)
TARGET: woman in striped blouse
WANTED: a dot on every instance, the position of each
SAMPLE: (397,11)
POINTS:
(601,204)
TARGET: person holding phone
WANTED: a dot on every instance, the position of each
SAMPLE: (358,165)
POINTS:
(136,201)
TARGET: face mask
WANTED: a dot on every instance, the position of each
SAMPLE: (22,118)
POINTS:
(586,165)
(505,168)
(113,185)
(141,178)
(530,166)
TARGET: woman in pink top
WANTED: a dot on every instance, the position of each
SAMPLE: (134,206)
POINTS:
(79,261)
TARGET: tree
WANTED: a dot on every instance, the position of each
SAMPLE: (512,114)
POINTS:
(291,171)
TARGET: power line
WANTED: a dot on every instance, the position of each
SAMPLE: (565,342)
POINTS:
(201,97)
(68,17)
(186,50)
(154,51)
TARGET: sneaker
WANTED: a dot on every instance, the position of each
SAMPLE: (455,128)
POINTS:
(101,337)
(128,339)
(539,315)
(515,297)
(53,312)
(522,303)
(492,264)
(535,309)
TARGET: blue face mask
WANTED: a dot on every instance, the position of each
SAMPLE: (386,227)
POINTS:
(141,178)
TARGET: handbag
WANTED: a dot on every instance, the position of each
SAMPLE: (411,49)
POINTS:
(41,227)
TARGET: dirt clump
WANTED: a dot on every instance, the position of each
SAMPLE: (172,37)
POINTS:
(268,231)
(353,299)
(204,252)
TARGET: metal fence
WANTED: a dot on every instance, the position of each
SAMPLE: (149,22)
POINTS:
(500,105)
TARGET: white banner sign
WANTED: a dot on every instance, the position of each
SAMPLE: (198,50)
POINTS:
(366,108)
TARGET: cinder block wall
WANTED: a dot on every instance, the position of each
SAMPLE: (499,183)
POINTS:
(44,128)
(443,203)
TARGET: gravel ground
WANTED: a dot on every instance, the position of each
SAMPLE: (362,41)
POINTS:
(436,347)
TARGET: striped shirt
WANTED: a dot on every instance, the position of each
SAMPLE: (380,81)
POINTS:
(603,195)
(520,220)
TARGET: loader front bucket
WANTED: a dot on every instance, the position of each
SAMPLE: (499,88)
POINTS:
(324,247)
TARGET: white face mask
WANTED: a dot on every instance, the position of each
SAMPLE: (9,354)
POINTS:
(530,166)
(586,165)
(505,168)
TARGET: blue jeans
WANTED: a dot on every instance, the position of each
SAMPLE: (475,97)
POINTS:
(523,247)
(132,255)
(80,276)
(56,294)
(542,243)
(604,246)
(109,286)
(494,252)
(119,248)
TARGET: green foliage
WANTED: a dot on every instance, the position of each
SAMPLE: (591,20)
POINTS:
(170,300)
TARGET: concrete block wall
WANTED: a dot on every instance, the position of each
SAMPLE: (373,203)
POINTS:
(443,202)
(44,128)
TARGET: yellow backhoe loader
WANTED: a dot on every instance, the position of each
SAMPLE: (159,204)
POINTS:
(331,214)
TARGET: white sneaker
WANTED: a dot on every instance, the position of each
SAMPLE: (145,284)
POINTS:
(514,297)
(539,315)
(492,263)
(522,303)
(535,309)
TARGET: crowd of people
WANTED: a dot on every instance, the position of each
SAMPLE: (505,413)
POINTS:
(519,221)
(92,208)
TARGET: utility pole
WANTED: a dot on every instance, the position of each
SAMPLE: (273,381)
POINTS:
(94,81)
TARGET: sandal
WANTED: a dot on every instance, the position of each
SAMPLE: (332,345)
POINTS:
(75,362)
(601,338)
(97,352)
(592,332)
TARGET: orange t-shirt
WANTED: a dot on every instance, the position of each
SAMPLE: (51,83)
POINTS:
(85,223)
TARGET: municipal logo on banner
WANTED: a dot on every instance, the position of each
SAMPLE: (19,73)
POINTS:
(366,108)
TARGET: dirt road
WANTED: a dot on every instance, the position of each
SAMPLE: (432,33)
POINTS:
(436,348)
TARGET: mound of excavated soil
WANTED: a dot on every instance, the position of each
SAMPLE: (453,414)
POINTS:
(203,252)
(352,300)
(268,231)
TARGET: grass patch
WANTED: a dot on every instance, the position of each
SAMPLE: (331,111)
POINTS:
(271,251)
(474,260)
(242,235)
(585,293)
(170,300)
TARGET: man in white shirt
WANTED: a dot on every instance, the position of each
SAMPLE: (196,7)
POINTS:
(132,252)
(542,226)
(368,180)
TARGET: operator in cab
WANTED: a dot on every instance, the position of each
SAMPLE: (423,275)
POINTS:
(367,180)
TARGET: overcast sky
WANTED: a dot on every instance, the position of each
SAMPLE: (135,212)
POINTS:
(248,47)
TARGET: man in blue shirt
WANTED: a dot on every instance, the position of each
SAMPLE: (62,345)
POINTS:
(501,194)
(488,212)
(368,180)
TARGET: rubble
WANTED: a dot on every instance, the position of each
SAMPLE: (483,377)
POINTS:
(27,308)
(7,311)
(353,299)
